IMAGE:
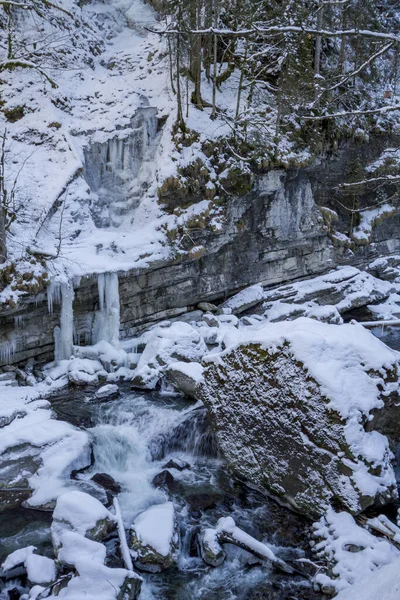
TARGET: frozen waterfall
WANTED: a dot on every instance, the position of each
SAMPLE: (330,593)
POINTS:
(118,170)
(63,334)
(107,319)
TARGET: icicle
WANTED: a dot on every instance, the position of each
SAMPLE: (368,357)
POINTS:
(7,351)
(53,295)
(107,320)
(18,321)
(66,320)
(63,335)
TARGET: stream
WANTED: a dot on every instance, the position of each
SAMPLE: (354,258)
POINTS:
(134,436)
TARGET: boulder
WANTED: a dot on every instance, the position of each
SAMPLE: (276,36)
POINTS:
(166,480)
(80,513)
(177,463)
(185,376)
(155,538)
(165,344)
(207,307)
(107,482)
(293,405)
(107,392)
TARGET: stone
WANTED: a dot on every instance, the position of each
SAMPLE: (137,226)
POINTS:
(185,377)
(80,513)
(282,426)
(154,538)
(107,482)
(211,551)
(176,463)
(207,307)
(107,392)
(166,480)
(210,320)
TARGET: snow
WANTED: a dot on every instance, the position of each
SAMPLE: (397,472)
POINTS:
(40,569)
(193,370)
(340,535)
(228,525)
(155,527)
(17,558)
(75,548)
(378,585)
(368,218)
(107,390)
(245,299)
(78,512)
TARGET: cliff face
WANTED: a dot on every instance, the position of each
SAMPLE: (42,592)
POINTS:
(274,234)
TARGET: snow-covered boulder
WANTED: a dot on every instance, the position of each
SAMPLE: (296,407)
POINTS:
(345,288)
(39,569)
(107,392)
(294,405)
(244,300)
(186,377)
(82,371)
(78,512)
(165,344)
(94,581)
(155,538)
(350,552)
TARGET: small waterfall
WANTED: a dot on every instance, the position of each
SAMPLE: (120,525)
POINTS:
(107,319)
(63,334)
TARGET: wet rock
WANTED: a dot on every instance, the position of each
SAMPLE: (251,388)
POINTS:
(166,480)
(199,501)
(211,551)
(107,482)
(176,463)
(154,537)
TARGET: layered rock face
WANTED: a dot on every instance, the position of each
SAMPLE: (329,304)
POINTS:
(290,404)
(272,235)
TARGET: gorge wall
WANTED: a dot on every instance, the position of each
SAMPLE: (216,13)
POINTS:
(274,234)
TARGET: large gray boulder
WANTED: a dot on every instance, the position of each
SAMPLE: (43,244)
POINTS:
(293,405)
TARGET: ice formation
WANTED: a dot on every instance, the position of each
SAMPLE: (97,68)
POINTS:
(106,323)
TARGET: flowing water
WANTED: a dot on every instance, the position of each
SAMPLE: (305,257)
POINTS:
(134,436)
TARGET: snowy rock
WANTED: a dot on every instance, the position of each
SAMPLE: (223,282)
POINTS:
(383,584)
(82,371)
(245,299)
(75,547)
(108,392)
(18,557)
(40,569)
(227,532)
(294,405)
(78,512)
(211,550)
(186,377)
(164,345)
(351,552)
(207,307)
(387,268)
(345,288)
(155,538)
(210,320)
